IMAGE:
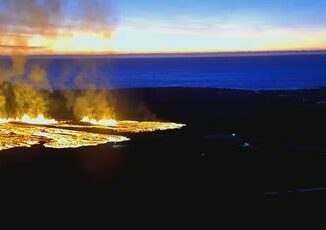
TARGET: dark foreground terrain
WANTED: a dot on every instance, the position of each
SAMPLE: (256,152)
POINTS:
(240,149)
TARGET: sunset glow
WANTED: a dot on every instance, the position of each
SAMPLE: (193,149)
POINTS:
(70,43)
(156,42)
(203,27)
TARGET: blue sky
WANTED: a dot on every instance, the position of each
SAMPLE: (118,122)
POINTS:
(275,12)
(222,25)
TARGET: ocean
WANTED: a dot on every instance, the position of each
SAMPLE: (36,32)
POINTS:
(249,73)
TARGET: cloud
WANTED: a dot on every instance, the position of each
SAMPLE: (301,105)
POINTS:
(32,24)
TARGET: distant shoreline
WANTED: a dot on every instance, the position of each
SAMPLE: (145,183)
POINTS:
(180,88)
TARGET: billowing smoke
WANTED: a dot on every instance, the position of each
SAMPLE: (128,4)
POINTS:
(21,19)
(24,88)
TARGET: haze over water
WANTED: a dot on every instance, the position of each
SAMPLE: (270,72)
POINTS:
(251,73)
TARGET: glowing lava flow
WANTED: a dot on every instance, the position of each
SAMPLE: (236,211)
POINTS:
(28,131)
(133,126)
(145,126)
(25,135)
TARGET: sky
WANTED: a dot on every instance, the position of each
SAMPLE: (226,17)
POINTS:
(150,26)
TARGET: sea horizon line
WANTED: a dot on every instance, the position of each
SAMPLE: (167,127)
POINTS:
(177,54)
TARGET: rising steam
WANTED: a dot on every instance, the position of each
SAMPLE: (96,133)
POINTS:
(26,90)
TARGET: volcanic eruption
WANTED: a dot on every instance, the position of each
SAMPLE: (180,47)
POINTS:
(25,91)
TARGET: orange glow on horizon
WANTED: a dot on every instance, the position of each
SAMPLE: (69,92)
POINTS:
(76,42)
(144,42)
